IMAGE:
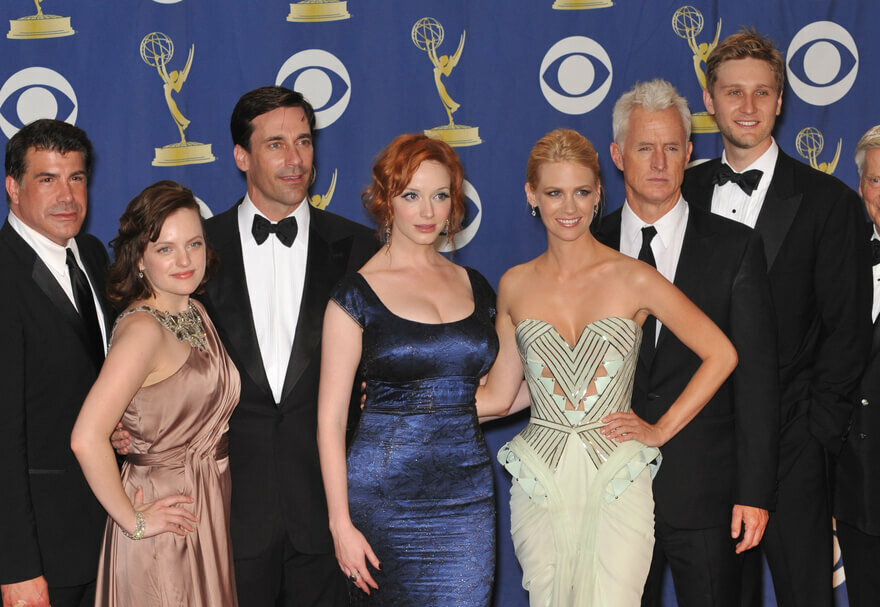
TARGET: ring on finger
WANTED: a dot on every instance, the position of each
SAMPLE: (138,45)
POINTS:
(353,577)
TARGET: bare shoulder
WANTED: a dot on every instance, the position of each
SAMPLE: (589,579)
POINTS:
(138,329)
(516,277)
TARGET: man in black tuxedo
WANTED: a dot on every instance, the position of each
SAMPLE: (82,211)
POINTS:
(857,488)
(818,264)
(52,344)
(268,302)
(716,482)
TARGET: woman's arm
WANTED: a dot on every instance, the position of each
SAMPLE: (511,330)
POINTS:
(135,354)
(340,356)
(663,300)
(504,383)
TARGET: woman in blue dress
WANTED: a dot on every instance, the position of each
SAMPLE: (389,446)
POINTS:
(414,492)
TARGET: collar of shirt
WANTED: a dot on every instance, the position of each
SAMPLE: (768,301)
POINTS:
(666,244)
(730,201)
(247,209)
(875,308)
(51,253)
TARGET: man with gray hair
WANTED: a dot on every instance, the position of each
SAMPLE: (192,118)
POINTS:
(716,484)
(857,486)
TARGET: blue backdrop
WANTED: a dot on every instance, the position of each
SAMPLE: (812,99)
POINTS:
(153,82)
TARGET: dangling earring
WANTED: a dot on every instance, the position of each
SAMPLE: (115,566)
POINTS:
(446,228)
(387,234)
(595,210)
(140,274)
(534,211)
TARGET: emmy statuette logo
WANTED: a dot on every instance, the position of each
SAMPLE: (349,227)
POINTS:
(40,25)
(687,23)
(322,201)
(311,11)
(579,5)
(156,51)
(809,144)
(427,35)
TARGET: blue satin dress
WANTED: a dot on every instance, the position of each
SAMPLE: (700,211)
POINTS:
(419,472)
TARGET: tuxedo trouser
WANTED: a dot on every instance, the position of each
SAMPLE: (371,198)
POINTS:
(281,576)
(72,596)
(705,568)
(798,541)
(861,556)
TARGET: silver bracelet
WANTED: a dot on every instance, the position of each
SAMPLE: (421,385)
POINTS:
(140,526)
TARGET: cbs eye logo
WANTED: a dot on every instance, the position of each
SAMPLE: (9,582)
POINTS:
(34,93)
(575,75)
(822,63)
(470,224)
(323,81)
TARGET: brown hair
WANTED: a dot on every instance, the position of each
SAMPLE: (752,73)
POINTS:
(746,43)
(395,168)
(141,223)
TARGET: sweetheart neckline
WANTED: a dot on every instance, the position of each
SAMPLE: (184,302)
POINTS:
(583,330)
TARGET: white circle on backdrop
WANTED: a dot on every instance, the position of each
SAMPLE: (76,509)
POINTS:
(35,103)
(38,78)
(316,88)
(822,63)
(576,74)
(573,77)
(467,234)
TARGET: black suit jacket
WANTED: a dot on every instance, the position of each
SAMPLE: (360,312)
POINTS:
(819,266)
(857,488)
(50,523)
(728,453)
(276,478)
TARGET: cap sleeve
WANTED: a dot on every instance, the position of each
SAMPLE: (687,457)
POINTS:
(349,295)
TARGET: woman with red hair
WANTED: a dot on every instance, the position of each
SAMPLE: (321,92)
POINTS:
(415,491)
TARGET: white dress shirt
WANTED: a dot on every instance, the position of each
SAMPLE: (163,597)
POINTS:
(875,309)
(55,258)
(730,201)
(666,244)
(275,277)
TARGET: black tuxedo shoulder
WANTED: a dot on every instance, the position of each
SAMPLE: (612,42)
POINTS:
(335,227)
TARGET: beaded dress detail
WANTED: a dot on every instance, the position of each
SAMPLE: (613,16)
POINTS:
(571,474)
(178,445)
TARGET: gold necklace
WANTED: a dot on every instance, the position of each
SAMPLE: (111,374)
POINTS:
(186,326)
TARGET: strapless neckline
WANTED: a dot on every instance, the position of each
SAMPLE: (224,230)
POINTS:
(586,327)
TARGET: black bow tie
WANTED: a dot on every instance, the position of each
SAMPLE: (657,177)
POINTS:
(285,230)
(875,251)
(747,181)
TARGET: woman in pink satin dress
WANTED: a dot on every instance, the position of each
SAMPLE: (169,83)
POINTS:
(168,377)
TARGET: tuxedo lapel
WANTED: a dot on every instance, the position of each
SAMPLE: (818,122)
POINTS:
(231,300)
(779,209)
(46,282)
(316,289)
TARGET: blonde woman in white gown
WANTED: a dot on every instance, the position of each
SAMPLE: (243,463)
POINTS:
(582,510)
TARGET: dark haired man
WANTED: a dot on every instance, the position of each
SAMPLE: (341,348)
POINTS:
(279,259)
(818,265)
(52,344)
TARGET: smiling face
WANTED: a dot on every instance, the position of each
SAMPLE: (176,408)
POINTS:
(566,193)
(421,210)
(653,156)
(51,196)
(745,103)
(279,163)
(174,265)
